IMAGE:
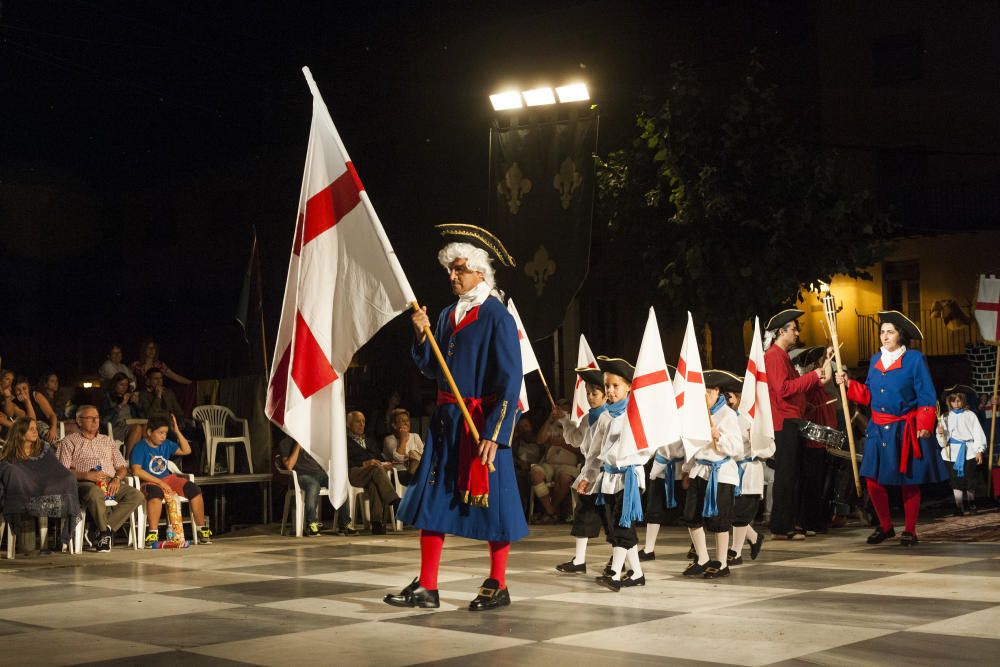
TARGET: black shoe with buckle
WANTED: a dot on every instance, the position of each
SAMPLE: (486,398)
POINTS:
(414,595)
(608,572)
(571,568)
(694,569)
(643,556)
(609,583)
(714,570)
(908,539)
(880,536)
(632,580)
(756,545)
(490,596)
(692,553)
(732,558)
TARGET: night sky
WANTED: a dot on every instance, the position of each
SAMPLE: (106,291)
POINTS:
(140,141)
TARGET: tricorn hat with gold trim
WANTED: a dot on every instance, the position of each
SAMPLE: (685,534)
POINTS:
(479,237)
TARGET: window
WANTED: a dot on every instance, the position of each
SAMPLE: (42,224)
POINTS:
(897,58)
(901,288)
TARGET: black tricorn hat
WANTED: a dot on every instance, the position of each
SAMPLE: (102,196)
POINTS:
(723,380)
(784,317)
(901,322)
(479,237)
(615,366)
(970,394)
(803,356)
(591,376)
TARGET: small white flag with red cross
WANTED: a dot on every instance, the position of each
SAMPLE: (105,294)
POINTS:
(652,411)
(689,388)
(529,362)
(988,309)
(584,359)
(755,401)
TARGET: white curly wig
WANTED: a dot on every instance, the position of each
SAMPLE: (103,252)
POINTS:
(475,258)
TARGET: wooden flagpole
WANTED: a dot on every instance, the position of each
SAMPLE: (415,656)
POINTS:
(993,417)
(830,308)
(451,380)
(545,385)
(260,306)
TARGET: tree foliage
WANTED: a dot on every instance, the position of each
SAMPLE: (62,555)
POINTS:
(732,210)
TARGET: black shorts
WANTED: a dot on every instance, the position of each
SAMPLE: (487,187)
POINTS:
(617,536)
(589,518)
(695,501)
(656,502)
(966,483)
(745,509)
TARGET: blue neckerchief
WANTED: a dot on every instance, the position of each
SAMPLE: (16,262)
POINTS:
(719,403)
(618,409)
(711,506)
(741,466)
(669,472)
(631,499)
(595,413)
(959,464)
(957,411)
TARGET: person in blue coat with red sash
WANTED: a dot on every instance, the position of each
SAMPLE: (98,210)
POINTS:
(900,448)
(454,490)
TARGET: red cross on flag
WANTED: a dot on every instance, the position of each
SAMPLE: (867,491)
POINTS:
(529,362)
(344,283)
(988,309)
(755,401)
(584,359)
(689,388)
(652,412)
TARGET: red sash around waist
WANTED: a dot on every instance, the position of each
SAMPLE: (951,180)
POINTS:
(473,481)
(910,441)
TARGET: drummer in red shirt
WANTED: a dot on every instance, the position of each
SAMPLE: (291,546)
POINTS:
(787,391)
(814,508)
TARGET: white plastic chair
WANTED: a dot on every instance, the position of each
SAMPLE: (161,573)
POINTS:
(135,530)
(354,494)
(8,530)
(141,512)
(213,420)
(295,493)
(551,485)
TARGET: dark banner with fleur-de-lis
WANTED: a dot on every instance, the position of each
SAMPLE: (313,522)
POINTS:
(542,178)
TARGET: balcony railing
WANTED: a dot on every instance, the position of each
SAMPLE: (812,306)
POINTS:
(939,338)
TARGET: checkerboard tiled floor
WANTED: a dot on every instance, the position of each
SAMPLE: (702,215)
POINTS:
(263,599)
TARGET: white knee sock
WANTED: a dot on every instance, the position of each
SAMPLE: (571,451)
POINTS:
(617,560)
(971,495)
(652,530)
(633,561)
(700,547)
(739,538)
(959,498)
(722,547)
(581,551)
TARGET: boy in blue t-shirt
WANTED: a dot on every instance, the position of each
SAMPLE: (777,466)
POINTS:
(149,460)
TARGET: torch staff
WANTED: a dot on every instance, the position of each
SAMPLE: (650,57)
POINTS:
(830,309)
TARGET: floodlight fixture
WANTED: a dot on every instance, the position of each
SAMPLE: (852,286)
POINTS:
(537,97)
(574,92)
(509,99)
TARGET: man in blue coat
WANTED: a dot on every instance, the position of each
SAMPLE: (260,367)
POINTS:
(464,487)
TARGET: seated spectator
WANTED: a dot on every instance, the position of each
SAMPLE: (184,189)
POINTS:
(157,399)
(383,425)
(149,460)
(560,463)
(527,452)
(33,482)
(403,448)
(120,405)
(312,477)
(95,460)
(113,365)
(29,403)
(58,397)
(367,470)
(149,357)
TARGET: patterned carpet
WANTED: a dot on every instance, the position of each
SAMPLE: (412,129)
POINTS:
(262,599)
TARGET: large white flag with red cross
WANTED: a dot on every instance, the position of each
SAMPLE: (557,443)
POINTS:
(755,401)
(529,362)
(988,308)
(344,283)
(689,388)
(652,412)
(584,359)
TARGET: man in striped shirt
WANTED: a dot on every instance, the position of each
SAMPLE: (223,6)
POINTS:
(94,458)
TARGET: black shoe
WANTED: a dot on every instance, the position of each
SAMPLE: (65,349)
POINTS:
(908,539)
(609,583)
(378,528)
(633,581)
(608,572)
(973,509)
(414,595)
(880,536)
(714,570)
(347,531)
(643,556)
(694,570)
(104,541)
(958,512)
(571,568)
(756,546)
(732,558)
(692,553)
(490,596)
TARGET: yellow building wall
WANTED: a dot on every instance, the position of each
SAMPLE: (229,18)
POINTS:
(950,266)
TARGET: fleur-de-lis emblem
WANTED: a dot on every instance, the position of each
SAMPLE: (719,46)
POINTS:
(540,268)
(567,181)
(513,187)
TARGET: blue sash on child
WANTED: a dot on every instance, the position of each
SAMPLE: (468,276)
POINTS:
(631,498)
(711,507)
(741,466)
(959,465)
(669,499)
